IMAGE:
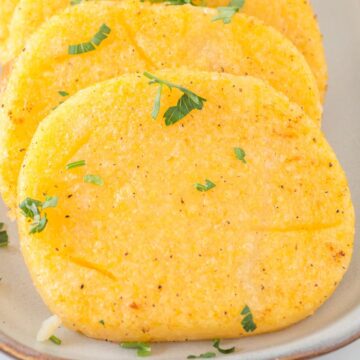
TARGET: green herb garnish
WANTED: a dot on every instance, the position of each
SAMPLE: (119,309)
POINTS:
(75,164)
(207,355)
(226,13)
(102,322)
(93,179)
(75,2)
(240,154)
(208,186)
(32,209)
(248,320)
(63,93)
(55,340)
(143,349)
(97,39)
(4,237)
(188,102)
(216,345)
(179,2)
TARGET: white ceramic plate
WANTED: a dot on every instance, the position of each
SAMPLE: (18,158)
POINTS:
(334,325)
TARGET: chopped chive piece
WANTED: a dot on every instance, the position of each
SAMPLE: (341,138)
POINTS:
(91,45)
(179,2)
(4,237)
(50,202)
(207,355)
(226,13)
(143,349)
(208,186)
(188,102)
(156,108)
(75,2)
(102,322)
(63,93)
(240,154)
(55,340)
(216,345)
(75,164)
(93,179)
(248,320)
(32,209)
(39,224)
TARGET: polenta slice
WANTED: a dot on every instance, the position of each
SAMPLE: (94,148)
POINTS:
(137,37)
(6,10)
(294,18)
(234,220)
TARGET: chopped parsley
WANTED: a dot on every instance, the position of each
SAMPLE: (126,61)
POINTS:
(240,154)
(226,13)
(55,340)
(75,164)
(93,179)
(216,345)
(32,209)
(248,320)
(143,349)
(102,322)
(207,355)
(63,93)
(91,45)
(4,237)
(208,186)
(188,102)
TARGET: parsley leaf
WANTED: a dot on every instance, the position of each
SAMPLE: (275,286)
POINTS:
(216,345)
(226,13)
(208,186)
(75,164)
(207,355)
(55,340)
(96,40)
(31,208)
(102,322)
(248,320)
(94,179)
(188,102)
(240,154)
(63,93)
(143,349)
(4,238)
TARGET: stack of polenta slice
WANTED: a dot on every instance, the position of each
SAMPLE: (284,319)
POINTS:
(172,176)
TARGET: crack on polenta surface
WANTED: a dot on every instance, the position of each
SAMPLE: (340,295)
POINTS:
(149,63)
(92,266)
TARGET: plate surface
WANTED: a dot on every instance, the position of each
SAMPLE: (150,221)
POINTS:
(334,325)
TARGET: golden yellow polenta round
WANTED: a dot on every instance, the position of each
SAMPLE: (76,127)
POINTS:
(145,255)
(6,10)
(294,18)
(142,37)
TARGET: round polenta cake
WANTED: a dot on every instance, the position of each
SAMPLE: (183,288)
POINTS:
(216,209)
(294,18)
(131,37)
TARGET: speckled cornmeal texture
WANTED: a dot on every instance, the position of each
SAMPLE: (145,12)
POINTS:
(294,18)
(143,36)
(6,10)
(155,258)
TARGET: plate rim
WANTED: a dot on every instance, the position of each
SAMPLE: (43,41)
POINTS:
(16,350)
